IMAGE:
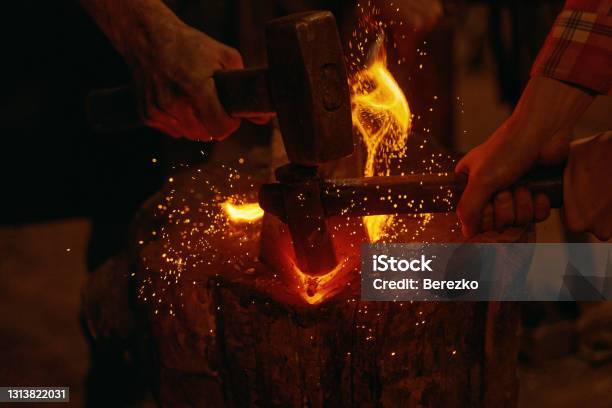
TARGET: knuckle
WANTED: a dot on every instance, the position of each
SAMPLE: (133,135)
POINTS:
(232,52)
(231,57)
(504,200)
(523,211)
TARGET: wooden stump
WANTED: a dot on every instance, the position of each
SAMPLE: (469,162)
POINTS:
(231,326)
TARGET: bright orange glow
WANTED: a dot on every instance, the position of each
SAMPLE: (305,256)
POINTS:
(382,116)
(240,213)
(380,113)
(221,225)
(376,225)
(314,289)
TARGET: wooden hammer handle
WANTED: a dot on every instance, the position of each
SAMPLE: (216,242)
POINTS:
(416,193)
(428,191)
(243,94)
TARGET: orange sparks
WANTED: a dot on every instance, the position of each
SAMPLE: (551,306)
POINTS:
(239,213)
(195,233)
(380,113)
(382,116)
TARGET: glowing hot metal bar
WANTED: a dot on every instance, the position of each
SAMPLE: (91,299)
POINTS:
(247,212)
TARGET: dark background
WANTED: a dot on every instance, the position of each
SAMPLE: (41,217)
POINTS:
(68,194)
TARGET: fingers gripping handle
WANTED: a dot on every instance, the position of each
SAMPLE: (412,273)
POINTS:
(242,93)
(362,196)
(547,181)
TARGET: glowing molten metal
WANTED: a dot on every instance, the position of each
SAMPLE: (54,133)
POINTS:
(382,117)
(238,213)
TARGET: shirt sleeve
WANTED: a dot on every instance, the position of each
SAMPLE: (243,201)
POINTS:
(578,49)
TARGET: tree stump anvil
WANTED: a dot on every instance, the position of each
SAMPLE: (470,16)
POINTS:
(234,332)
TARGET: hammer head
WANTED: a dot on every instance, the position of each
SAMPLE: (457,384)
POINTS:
(309,87)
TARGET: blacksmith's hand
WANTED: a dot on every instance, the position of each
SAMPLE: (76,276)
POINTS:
(176,89)
(172,66)
(537,132)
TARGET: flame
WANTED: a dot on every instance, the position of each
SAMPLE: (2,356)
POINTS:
(376,225)
(240,213)
(382,117)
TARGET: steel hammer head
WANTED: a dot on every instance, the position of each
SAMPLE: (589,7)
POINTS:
(309,87)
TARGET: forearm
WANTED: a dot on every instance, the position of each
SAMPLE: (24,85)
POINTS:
(136,28)
(548,106)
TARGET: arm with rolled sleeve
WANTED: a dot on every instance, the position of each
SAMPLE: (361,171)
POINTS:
(578,49)
(573,66)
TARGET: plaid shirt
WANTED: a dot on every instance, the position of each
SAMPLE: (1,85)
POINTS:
(578,49)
